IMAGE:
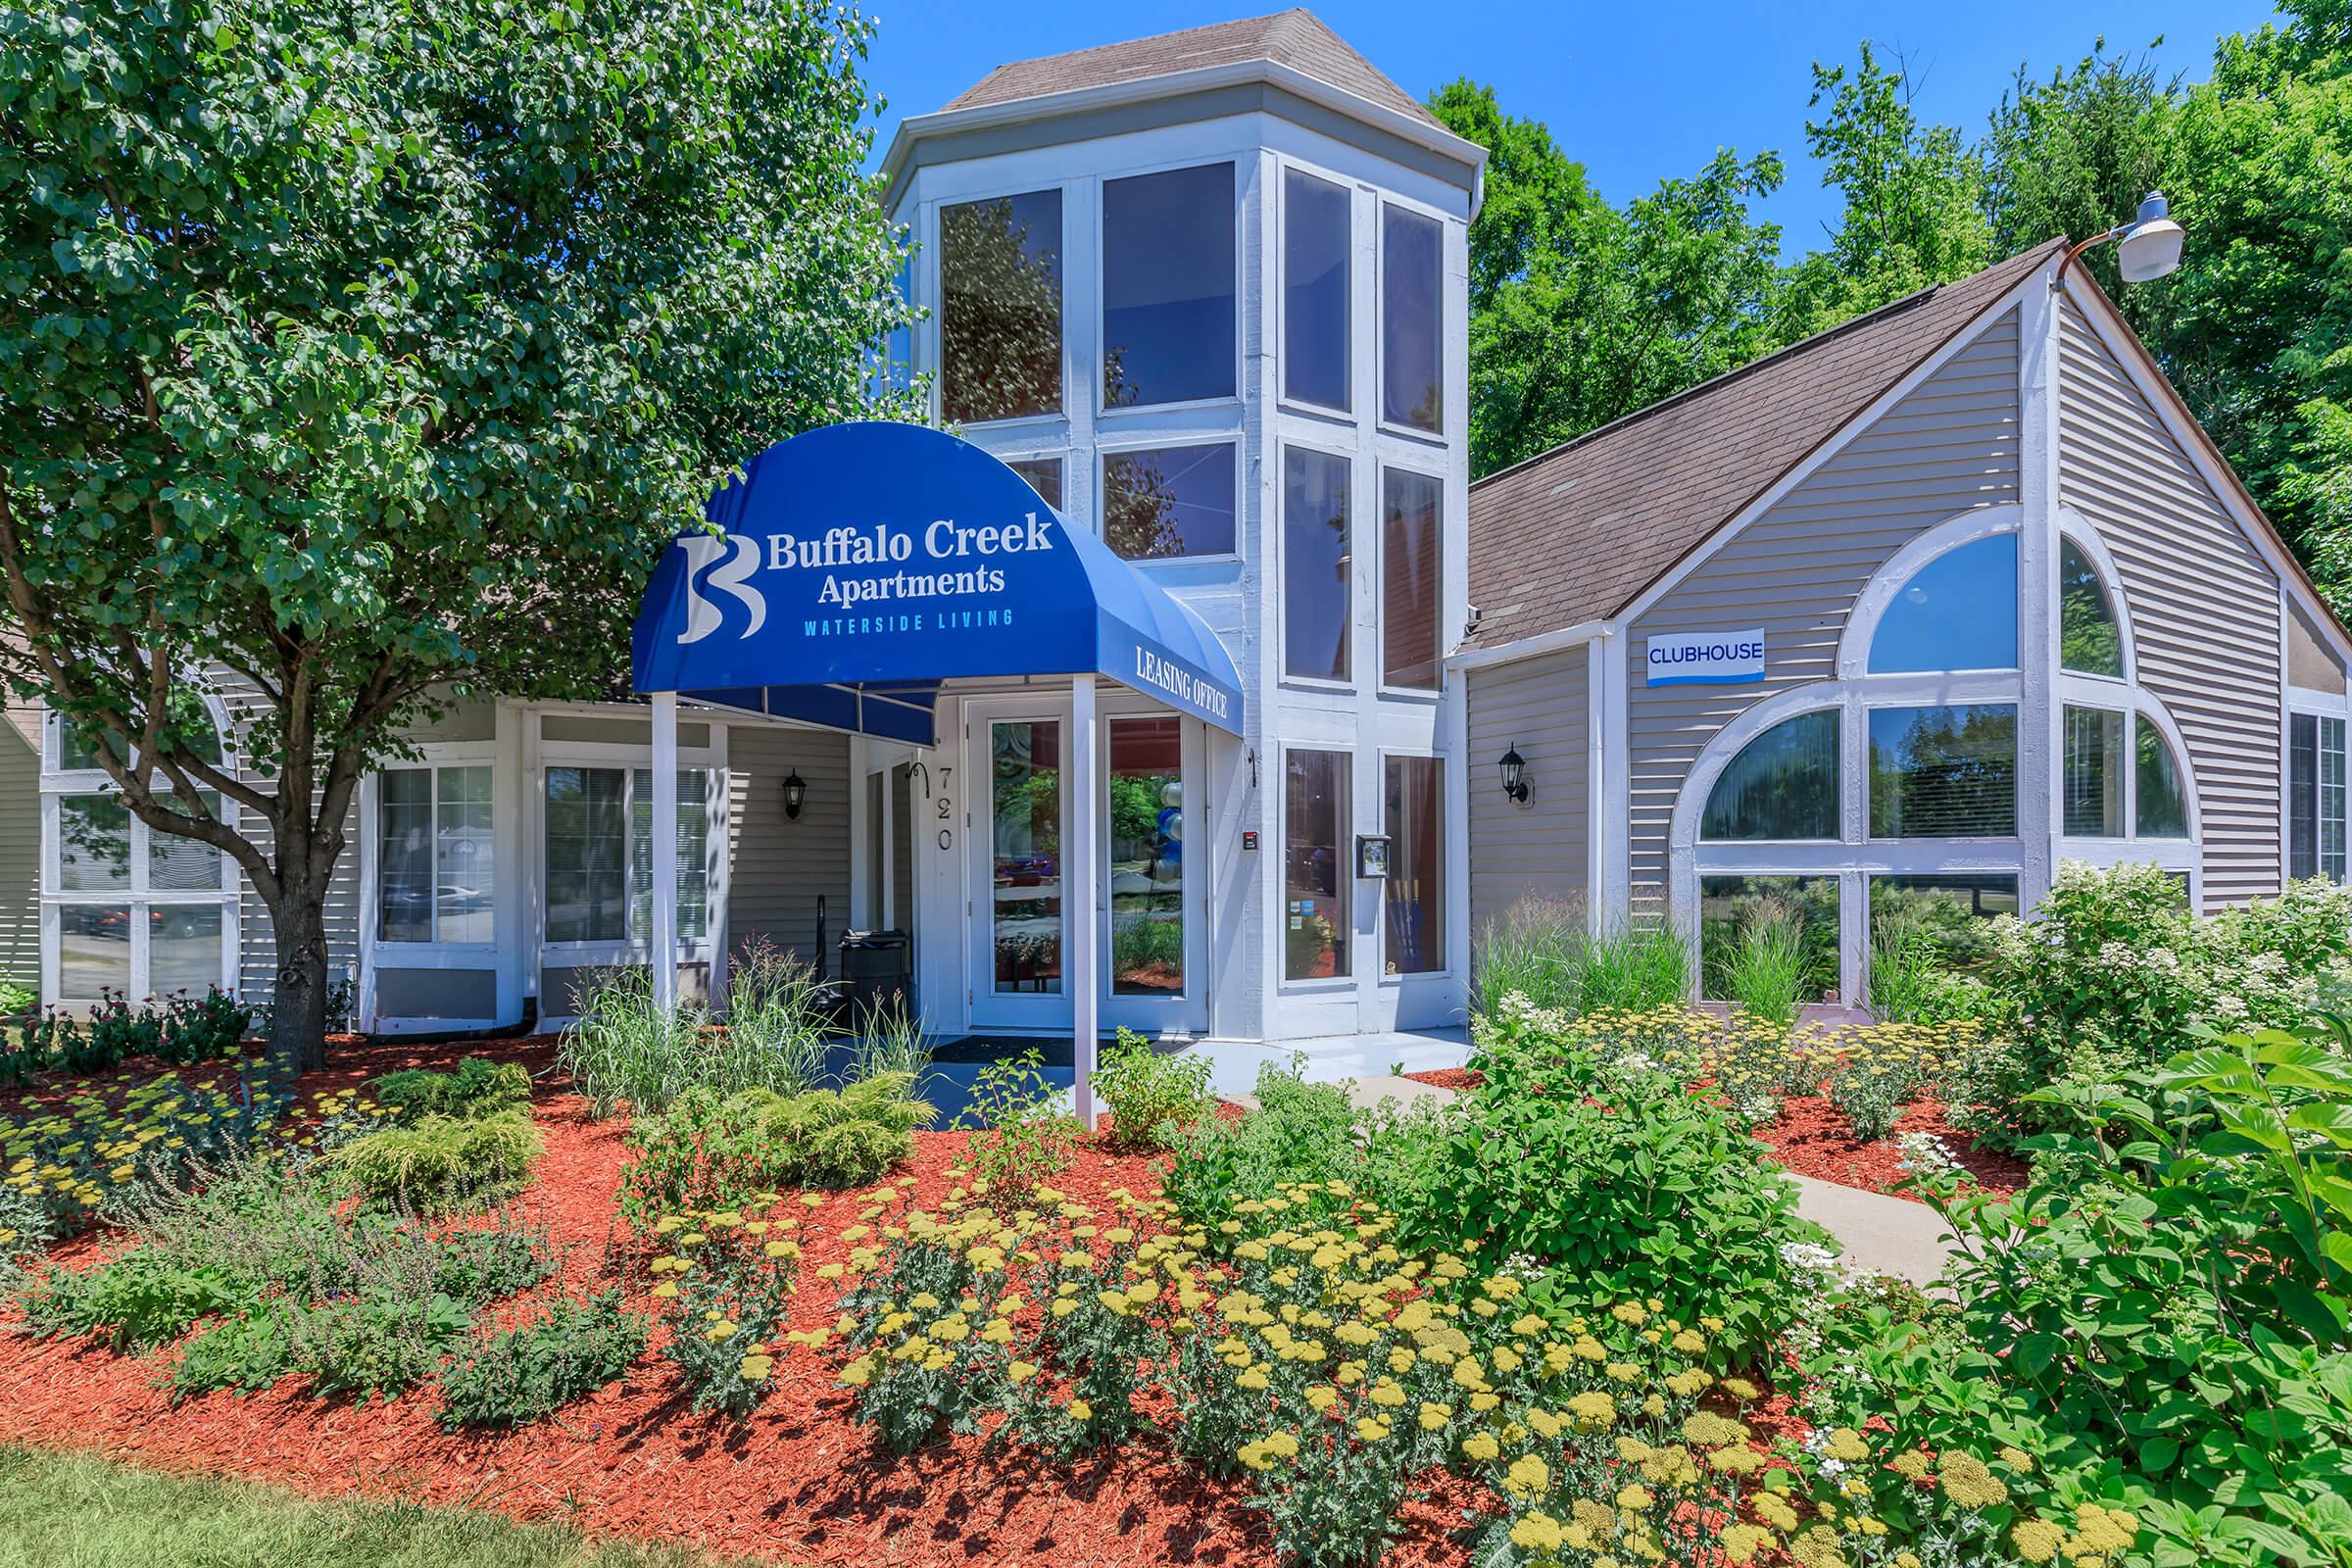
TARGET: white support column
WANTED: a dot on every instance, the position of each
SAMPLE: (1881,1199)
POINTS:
(1080,868)
(665,956)
(2040,747)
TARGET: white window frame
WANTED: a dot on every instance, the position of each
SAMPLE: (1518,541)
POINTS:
(2321,708)
(629,759)
(1133,442)
(1061,411)
(139,899)
(1446,892)
(431,757)
(1277,565)
(1344,981)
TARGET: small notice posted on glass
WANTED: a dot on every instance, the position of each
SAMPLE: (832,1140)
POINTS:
(1706,657)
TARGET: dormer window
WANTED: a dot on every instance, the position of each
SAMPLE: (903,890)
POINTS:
(1168,294)
(1001,307)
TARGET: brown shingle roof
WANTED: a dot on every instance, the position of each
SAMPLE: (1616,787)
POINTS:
(1295,38)
(1577,533)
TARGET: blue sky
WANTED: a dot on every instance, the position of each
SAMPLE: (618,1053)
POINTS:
(1637,91)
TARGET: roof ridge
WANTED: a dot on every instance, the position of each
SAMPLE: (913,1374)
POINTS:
(1893,308)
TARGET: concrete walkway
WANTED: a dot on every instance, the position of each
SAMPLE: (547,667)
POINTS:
(1878,1234)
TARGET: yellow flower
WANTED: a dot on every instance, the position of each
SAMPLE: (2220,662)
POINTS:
(1482,1446)
(1846,1444)
(1080,1410)
(1634,1499)
(1818,1548)
(1537,1532)
(666,1290)
(1774,1511)
(1021,1371)
(1741,1542)
(2036,1539)
(2104,1530)
(1528,1477)
(1969,1482)
(1434,1417)
(755,1368)
(1371,1428)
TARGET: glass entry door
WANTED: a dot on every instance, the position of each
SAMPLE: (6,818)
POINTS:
(1020,924)
(1154,874)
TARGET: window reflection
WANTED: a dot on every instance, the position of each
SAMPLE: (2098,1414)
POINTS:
(1782,784)
(2088,639)
(1025,849)
(2093,773)
(1411,504)
(1147,856)
(1314,291)
(1958,612)
(1316,567)
(1169,287)
(1315,875)
(1944,772)
(1951,909)
(1411,354)
(1000,327)
(2162,804)
(1414,922)
(1043,475)
(1163,503)
(1737,908)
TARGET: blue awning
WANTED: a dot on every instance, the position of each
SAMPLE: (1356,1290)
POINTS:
(856,568)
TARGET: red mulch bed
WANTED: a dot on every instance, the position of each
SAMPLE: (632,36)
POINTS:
(1811,1139)
(797,1482)
(1449,1077)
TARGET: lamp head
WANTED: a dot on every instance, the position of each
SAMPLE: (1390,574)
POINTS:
(2150,245)
(1514,768)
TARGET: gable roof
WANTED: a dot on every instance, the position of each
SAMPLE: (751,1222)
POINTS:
(1577,533)
(1295,38)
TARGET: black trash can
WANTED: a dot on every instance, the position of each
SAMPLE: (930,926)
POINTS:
(876,968)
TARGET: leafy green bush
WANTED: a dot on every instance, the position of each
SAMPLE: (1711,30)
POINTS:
(705,1152)
(439,1163)
(15,997)
(1024,1137)
(479,1087)
(1299,1132)
(204,1028)
(1872,1090)
(1150,1093)
(528,1373)
(1620,1180)
(246,1355)
(376,1344)
(136,1302)
(2161,1323)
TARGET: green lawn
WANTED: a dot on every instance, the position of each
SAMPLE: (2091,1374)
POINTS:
(63,1510)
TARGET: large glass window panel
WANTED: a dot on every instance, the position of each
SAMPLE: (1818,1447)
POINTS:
(180,864)
(2302,795)
(1737,911)
(1314,291)
(1413,924)
(93,950)
(404,855)
(1944,772)
(1147,856)
(1411,320)
(1315,874)
(2162,804)
(1044,476)
(1958,612)
(1315,564)
(1163,503)
(1411,507)
(1952,909)
(1025,855)
(694,848)
(587,854)
(999,320)
(183,947)
(77,748)
(1782,784)
(2088,639)
(2093,773)
(93,844)
(464,855)
(1169,287)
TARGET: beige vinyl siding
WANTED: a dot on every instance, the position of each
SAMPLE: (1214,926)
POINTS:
(21,846)
(1543,849)
(2309,663)
(781,868)
(2204,606)
(1949,445)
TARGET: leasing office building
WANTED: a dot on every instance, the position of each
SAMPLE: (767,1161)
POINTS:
(1206,294)
(1905,613)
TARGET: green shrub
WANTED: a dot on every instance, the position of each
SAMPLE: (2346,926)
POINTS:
(1299,1132)
(438,1163)
(1150,1093)
(1620,1180)
(528,1373)
(2162,1325)
(479,1087)
(708,1151)
(16,998)
(204,1028)
(136,1302)
(1870,1092)
(724,1295)
(377,1345)
(1535,947)
(245,1354)
(1024,1137)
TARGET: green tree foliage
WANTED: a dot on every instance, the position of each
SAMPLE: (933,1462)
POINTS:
(354,353)
(1581,313)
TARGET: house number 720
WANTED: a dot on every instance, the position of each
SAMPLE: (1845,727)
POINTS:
(947,809)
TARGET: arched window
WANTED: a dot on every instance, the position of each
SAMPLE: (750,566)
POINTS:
(1958,612)
(2089,641)
(1782,785)
(2162,807)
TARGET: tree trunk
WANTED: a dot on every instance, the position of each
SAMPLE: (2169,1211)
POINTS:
(298,1016)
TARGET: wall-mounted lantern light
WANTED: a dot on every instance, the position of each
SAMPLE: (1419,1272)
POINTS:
(1514,781)
(2146,248)
(796,791)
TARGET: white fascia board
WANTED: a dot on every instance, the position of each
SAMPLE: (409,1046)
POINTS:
(1549,642)
(1174,84)
(1837,442)
(2127,352)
